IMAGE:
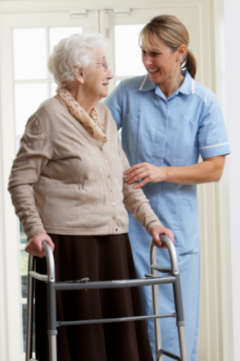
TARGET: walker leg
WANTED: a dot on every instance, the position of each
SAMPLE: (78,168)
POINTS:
(180,317)
(155,303)
(157,331)
(177,300)
(29,332)
(52,339)
(52,320)
(182,342)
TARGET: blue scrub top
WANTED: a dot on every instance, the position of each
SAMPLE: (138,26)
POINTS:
(172,131)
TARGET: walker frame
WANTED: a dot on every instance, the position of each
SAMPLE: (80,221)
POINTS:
(153,279)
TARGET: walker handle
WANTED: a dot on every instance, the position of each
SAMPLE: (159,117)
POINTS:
(50,261)
(171,250)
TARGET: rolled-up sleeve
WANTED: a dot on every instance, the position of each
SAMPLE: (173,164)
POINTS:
(212,137)
(34,153)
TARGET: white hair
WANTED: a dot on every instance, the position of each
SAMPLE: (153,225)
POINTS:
(75,50)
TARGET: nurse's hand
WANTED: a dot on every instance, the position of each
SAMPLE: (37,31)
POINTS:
(34,245)
(157,231)
(143,173)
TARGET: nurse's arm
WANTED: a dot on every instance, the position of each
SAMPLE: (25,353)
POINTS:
(209,170)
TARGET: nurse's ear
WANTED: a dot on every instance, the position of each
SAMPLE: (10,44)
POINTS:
(181,53)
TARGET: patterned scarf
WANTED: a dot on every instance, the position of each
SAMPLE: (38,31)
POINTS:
(89,122)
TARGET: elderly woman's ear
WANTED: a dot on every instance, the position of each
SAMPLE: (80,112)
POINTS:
(79,75)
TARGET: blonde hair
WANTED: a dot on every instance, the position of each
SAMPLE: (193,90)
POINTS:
(173,33)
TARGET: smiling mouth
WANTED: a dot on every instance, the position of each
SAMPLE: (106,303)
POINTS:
(151,71)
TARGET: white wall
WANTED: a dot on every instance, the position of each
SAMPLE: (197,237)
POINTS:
(232,113)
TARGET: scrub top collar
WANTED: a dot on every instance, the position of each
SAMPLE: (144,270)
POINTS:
(187,87)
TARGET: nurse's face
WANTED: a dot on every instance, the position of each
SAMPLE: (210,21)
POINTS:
(161,62)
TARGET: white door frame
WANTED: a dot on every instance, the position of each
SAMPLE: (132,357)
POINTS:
(231,77)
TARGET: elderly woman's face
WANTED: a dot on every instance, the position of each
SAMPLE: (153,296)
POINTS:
(97,76)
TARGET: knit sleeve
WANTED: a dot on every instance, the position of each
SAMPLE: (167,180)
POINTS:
(34,153)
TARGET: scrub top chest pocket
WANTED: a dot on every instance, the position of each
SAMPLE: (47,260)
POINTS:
(165,138)
(182,141)
(149,133)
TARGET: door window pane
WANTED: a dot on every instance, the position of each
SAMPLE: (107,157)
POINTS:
(127,50)
(56,34)
(53,89)
(28,97)
(30,53)
(24,269)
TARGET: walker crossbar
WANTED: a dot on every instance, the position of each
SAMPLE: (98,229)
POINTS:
(153,280)
(68,286)
(114,320)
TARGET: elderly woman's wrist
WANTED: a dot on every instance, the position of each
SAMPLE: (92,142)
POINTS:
(33,231)
(152,224)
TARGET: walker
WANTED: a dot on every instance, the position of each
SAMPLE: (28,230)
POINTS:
(153,279)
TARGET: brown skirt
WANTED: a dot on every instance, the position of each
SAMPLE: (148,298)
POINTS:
(99,258)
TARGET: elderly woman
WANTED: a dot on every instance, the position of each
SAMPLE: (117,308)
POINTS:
(68,190)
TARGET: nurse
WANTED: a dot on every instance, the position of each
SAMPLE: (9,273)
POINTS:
(168,121)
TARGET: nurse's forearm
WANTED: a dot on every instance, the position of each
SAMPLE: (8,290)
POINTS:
(210,170)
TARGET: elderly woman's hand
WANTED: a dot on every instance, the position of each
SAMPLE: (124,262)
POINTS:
(143,173)
(34,245)
(157,231)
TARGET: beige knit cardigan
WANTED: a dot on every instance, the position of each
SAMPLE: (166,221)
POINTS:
(63,181)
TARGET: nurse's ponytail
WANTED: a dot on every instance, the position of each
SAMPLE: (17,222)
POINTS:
(190,63)
(174,33)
